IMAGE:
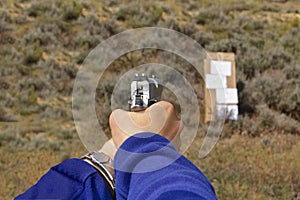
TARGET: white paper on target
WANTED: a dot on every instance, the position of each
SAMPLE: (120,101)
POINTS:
(231,112)
(214,81)
(227,96)
(220,67)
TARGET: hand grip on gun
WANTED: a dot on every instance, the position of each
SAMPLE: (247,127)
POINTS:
(159,118)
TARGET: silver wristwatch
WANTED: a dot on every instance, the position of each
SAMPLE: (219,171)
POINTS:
(104,165)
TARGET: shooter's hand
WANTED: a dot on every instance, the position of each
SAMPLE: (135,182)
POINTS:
(159,118)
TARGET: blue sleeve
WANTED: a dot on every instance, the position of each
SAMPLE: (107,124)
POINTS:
(147,166)
(72,179)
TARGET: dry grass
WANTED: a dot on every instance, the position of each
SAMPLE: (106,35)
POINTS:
(243,167)
(240,167)
(21,169)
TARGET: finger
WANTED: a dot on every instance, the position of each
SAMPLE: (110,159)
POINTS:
(118,135)
(165,104)
(168,107)
(150,120)
(129,123)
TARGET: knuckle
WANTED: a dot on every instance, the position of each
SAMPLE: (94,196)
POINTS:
(113,114)
(167,105)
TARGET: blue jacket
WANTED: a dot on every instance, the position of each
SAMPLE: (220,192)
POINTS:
(140,174)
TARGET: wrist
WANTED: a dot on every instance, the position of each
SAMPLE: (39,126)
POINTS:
(103,164)
(109,149)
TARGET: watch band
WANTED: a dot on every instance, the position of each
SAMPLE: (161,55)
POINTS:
(104,165)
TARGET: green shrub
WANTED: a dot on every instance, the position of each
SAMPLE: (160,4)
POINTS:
(291,40)
(266,90)
(140,15)
(270,8)
(245,125)
(35,83)
(86,41)
(32,55)
(292,10)
(287,124)
(4,26)
(45,34)
(58,76)
(249,24)
(5,16)
(237,6)
(278,93)
(278,58)
(203,38)
(188,29)
(257,42)
(21,19)
(225,45)
(290,102)
(266,117)
(10,56)
(55,113)
(220,25)
(26,103)
(251,62)
(7,38)
(271,39)
(72,11)
(95,27)
(2,114)
(38,9)
(79,58)
(292,71)
(207,15)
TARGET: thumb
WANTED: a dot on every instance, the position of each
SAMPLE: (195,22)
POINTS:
(109,149)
